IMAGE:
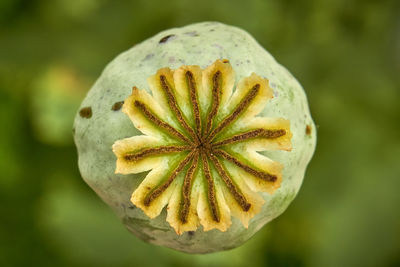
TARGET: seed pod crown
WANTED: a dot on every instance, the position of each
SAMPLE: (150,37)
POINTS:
(200,140)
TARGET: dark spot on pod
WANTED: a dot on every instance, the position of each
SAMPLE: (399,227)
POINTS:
(225,60)
(117,106)
(73,131)
(148,56)
(191,233)
(308,129)
(166,38)
(86,112)
(192,33)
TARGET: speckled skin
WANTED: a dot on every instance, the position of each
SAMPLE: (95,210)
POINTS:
(198,44)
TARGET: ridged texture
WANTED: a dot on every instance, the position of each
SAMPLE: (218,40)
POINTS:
(191,124)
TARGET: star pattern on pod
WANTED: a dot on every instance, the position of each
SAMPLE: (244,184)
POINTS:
(200,144)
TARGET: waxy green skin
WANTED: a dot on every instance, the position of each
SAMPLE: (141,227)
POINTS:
(198,44)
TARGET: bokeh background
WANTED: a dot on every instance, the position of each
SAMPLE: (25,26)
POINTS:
(346,54)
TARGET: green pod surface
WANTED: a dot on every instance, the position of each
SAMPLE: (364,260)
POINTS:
(100,122)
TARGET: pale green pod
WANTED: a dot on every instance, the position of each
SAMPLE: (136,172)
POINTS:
(104,121)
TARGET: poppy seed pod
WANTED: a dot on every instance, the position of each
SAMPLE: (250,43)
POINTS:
(196,138)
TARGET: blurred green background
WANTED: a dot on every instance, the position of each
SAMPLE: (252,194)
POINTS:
(346,54)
